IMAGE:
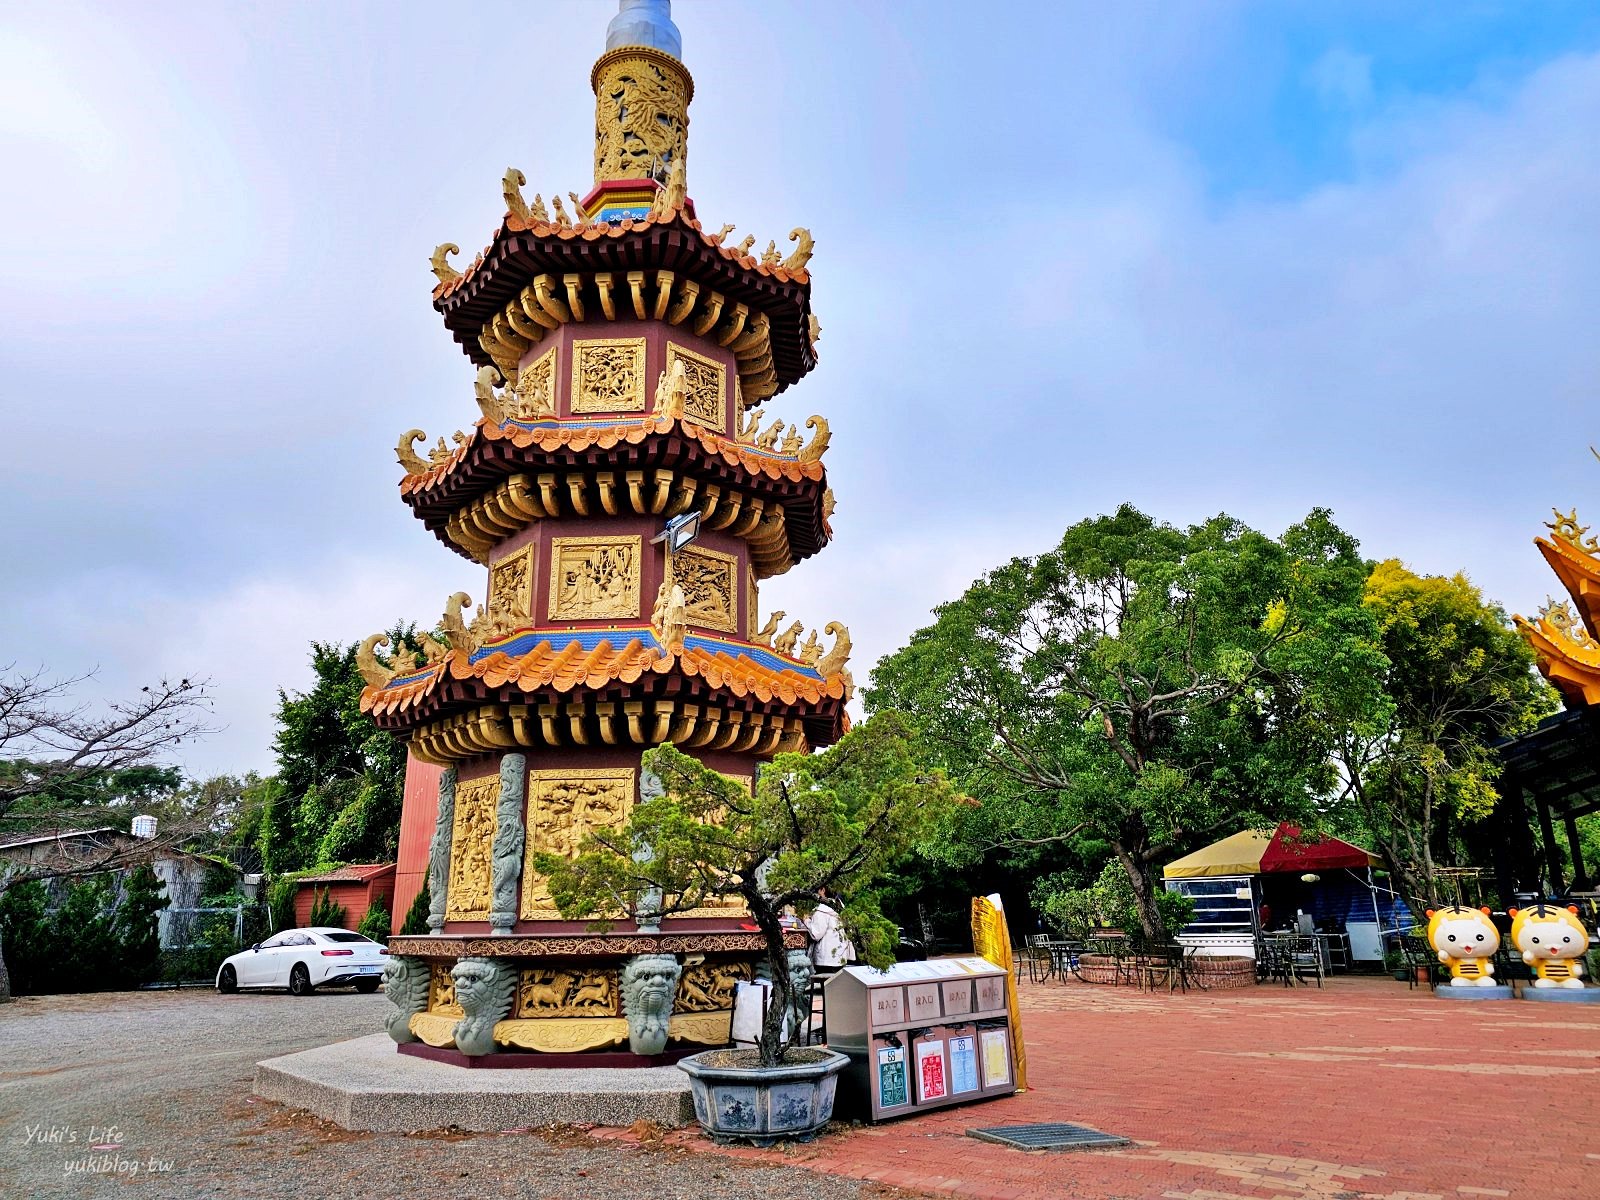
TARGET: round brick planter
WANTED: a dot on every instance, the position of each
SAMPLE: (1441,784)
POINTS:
(1220,972)
(1209,972)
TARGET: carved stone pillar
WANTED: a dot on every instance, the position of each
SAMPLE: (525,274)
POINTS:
(648,911)
(405,982)
(649,984)
(508,839)
(439,850)
(485,988)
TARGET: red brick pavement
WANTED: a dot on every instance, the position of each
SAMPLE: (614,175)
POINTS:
(1360,1091)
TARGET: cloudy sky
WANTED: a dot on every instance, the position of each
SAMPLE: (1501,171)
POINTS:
(1202,257)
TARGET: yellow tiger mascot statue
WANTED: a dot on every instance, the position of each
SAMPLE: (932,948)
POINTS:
(1553,942)
(1466,939)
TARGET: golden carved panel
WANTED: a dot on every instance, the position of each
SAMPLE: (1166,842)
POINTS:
(564,807)
(442,991)
(594,577)
(566,992)
(730,906)
(709,580)
(511,587)
(705,386)
(641,115)
(536,387)
(709,987)
(471,849)
(706,1029)
(563,1035)
(435,1029)
(608,375)
(751,602)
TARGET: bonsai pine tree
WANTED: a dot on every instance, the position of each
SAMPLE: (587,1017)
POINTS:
(836,820)
(325,911)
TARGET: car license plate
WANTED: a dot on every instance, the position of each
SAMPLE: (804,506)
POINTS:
(371,970)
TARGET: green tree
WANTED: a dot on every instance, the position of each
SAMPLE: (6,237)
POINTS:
(837,820)
(67,765)
(1144,686)
(1107,903)
(1457,676)
(325,911)
(340,779)
(417,915)
(137,925)
(375,921)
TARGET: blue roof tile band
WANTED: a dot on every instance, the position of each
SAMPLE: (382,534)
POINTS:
(525,641)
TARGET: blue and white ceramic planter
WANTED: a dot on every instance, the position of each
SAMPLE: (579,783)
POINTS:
(763,1104)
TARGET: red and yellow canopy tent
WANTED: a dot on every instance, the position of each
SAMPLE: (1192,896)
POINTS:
(1232,881)
(1262,852)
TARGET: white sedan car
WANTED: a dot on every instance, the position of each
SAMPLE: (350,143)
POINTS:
(303,960)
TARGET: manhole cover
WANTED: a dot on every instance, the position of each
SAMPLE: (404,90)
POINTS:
(1049,1137)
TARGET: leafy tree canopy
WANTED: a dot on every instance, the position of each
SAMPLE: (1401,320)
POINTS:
(1145,686)
(836,820)
(1457,677)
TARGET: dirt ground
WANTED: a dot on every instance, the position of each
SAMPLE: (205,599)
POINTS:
(1362,1090)
(148,1094)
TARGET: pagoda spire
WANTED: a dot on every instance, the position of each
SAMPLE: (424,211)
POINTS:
(642,92)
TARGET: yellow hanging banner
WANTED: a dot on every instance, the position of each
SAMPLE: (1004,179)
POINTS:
(992,940)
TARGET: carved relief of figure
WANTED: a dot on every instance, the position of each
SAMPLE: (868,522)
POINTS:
(508,841)
(484,989)
(708,987)
(543,991)
(405,982)
(649,982)
(439,851)
(596,992)
(471,865)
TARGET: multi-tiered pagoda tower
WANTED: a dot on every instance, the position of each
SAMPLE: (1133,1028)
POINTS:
(623,355)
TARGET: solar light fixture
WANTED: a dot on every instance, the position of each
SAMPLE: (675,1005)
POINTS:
(680,531)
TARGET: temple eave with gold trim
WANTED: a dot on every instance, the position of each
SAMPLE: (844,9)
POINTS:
(1563,634)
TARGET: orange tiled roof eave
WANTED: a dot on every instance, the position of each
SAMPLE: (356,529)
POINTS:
(593,231)
(1579,573)
(573,667)
(1571,669)
(630,430)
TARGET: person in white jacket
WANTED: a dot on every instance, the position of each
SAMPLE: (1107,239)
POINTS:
(831,947)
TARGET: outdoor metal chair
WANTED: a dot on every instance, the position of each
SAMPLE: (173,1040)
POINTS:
(1305,958)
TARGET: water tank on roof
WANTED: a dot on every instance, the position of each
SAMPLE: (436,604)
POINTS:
(144,826)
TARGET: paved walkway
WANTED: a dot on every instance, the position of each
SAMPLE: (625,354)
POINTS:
(1359,1090)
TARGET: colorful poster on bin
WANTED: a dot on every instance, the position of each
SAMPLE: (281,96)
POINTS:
(931,1072)
(892,1077)
(963,1064)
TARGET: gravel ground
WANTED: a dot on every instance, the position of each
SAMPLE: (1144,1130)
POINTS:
(160,1081)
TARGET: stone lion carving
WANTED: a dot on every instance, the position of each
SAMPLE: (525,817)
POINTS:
(405,982)
(649,982)
(484,990)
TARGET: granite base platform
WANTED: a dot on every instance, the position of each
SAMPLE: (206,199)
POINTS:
(364,1084)
(1560,995)
(1500,991)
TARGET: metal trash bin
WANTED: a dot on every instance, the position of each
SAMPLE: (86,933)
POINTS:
(920,1035)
